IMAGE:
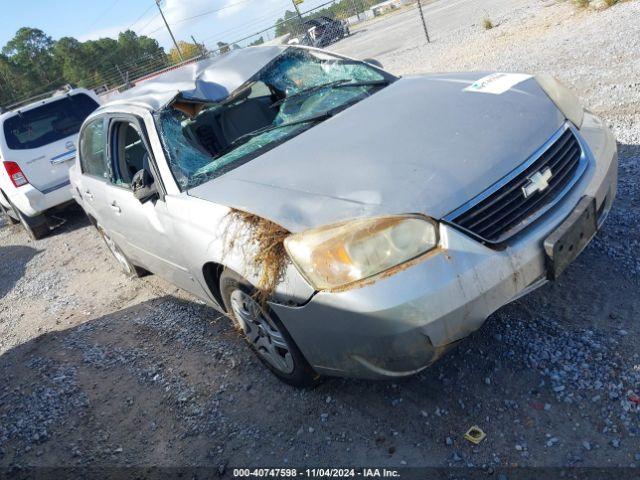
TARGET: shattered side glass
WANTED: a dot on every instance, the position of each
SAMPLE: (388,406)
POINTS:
(291,94)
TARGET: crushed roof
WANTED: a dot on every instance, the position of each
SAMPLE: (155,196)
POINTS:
(211,79)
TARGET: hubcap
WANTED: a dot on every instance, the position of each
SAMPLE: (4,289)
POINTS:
(115,251)
(261,331)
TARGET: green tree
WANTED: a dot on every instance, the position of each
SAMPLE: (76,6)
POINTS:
(74,60)
(10,80)
(30,52)
(138,55)
(290,23)
(101,68)
(189,50)
(32,62)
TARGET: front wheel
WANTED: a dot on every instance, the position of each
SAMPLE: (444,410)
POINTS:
(265,333)
(128,268)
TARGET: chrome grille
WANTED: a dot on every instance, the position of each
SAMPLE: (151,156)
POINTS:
(504,209)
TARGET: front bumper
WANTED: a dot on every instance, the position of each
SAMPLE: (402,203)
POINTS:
(32,201)
(399,324)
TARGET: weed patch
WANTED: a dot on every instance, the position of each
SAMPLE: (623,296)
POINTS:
(487,24)
(266,244)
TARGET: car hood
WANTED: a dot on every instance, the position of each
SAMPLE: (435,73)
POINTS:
(421,145)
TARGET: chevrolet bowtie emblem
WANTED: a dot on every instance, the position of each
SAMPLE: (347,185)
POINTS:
(538,182)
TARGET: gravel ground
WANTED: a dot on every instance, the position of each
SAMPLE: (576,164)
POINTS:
(97,369)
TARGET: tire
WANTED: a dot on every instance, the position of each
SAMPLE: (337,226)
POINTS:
(9,214)
(265,333)
(36,227)
(128,268)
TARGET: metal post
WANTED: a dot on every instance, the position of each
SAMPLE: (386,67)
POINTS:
(424,23)
(295,5)
(355,8)
(203,50)
(170,32)
(300,23)
(124,79)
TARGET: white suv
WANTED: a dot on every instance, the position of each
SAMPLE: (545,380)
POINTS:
(37,147)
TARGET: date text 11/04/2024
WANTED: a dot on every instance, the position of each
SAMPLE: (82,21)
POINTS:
(315,472)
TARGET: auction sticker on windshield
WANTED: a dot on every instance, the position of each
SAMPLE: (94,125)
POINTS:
(497,83)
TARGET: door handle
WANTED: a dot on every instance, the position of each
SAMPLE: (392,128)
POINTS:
(115,207)
(88,194)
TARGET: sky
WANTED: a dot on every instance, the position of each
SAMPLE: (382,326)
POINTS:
(216,20)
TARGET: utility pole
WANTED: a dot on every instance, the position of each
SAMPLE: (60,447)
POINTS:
(203,50)
(355,8)
(424,23)
(170,32)
(295,5)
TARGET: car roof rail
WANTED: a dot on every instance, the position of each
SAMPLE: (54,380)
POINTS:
(42,96)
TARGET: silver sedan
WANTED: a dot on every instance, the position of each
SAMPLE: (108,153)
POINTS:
(350,222)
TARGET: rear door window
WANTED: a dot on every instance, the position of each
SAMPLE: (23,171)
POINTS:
(93,150)
(48,123)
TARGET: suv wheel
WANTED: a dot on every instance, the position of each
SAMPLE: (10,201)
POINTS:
(128,268)
(265,333)
(10,214)
(37,227)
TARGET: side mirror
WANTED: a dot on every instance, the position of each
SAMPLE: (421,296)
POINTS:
(143,186)
(374,62)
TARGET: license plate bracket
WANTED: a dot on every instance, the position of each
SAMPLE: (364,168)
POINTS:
(567,241)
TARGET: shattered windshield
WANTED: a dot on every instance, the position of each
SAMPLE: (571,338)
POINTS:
(296,91)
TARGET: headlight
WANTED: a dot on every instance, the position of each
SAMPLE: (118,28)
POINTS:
(334,256)
(566,101)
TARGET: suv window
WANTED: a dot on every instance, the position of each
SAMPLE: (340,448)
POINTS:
(93,154)
(130,153)
(48,123)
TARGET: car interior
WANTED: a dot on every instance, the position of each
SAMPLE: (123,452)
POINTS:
(130,153)
(216,127)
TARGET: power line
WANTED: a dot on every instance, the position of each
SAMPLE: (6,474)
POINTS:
(203,14)
(140,66)
(268,17)
(141,29)
(265,18)
(169,30)
(101,16)
(45,87)
(140,17)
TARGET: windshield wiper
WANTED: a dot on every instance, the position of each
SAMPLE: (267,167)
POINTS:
(309,90)
(248,136)
(342,83)
(363,84)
